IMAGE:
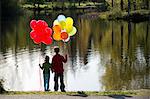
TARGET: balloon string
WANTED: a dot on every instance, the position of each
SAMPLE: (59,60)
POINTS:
(55,43)
(67,50)
(39,70)
(40,54)
(68,47)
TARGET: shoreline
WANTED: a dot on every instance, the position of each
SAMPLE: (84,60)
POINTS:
(134,16)
(63,6)
(141,92)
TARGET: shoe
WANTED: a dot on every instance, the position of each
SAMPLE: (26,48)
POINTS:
(63,91)
(48,90)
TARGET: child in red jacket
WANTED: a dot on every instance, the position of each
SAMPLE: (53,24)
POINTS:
(57,68)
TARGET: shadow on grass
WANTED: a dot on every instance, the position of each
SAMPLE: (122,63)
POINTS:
(119,96)
(80,94)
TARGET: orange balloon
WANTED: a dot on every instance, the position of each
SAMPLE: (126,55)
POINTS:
(57,29)
(57,37)
(64,35)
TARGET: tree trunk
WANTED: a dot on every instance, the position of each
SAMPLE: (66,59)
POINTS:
(129,5)
(134,4)
(79,2)
(121,4)
(112,37)
(121,42)
(74,3)
(52,4)
(38,5)
(112,3)
(62,1)
(147,4)
(146,57)
(34,3)
(129,34)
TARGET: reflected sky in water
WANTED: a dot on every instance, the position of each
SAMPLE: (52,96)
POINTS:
(21,71)
(103,55)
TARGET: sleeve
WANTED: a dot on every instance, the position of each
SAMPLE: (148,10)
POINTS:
(42,66)
(64,59)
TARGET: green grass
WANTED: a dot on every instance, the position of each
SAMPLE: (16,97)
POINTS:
(128,92)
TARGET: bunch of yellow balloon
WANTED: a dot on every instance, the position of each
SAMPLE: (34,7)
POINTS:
(63,28)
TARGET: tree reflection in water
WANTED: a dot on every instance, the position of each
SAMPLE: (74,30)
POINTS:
(119,48)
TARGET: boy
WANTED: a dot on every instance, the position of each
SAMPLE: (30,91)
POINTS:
(57,68)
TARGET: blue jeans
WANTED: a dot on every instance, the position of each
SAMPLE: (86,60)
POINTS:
(46,81)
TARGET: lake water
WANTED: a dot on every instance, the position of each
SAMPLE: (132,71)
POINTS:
(103,55)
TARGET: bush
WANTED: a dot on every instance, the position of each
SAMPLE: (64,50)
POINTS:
(2,90)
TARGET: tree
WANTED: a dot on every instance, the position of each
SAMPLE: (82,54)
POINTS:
(147,4)
(129,6)
(36,2)
(112,3)
(79,2)
(134,4)
(121,4)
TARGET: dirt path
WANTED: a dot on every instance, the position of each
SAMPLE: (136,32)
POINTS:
(69,97)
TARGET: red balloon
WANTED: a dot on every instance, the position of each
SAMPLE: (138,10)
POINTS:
(40,22)
(64,35)
(48,41)
(45,24)
(37,40)
(41,32)
(39,26)
(33,24)
(48,31)
(33,34)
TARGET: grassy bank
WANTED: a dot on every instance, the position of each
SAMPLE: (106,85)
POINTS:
(60,5)
(143,92)
(137,15)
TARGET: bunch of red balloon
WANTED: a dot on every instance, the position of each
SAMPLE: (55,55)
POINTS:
(41,33)
(63,28)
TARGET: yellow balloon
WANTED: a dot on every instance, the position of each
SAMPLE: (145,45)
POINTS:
(57,36)
(69,21)
(73,32)
(56,23)
(62,24)
(68,28)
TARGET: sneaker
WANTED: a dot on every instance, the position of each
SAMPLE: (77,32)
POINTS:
(63,91)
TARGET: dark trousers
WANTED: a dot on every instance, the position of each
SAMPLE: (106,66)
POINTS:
(62,85)
(46,81)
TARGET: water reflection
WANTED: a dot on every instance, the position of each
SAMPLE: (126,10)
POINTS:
(103,55)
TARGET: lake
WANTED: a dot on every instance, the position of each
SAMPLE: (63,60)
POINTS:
(102,56)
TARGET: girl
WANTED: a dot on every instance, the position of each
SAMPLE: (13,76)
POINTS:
(46,72)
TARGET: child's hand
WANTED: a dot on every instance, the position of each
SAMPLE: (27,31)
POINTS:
(40,65)
(66,55)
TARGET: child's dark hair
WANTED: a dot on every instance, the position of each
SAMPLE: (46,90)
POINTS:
(47,59)
(56,50)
